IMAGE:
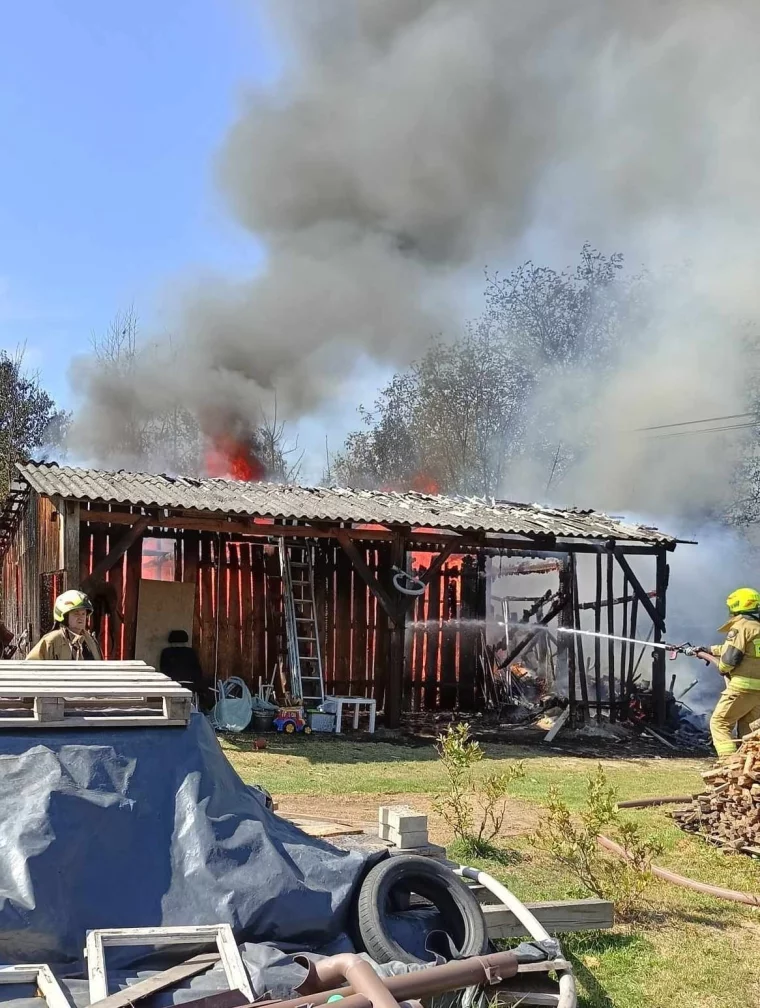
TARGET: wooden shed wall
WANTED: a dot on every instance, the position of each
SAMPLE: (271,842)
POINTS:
(239,623)
(239,599)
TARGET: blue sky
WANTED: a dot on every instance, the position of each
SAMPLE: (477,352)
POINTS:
(111,115)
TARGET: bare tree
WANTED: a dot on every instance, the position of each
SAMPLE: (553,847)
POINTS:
(168,436)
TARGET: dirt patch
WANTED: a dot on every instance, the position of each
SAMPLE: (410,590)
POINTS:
(361,810)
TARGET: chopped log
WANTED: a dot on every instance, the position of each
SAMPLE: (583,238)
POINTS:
(727,812)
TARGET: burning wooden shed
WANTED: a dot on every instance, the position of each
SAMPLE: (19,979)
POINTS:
(220,558)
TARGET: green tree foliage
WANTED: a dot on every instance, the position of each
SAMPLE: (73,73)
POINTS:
(29,419)
(473,806)
(572,841)
(458,417)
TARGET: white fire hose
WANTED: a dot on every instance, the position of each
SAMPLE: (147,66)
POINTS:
(567,990)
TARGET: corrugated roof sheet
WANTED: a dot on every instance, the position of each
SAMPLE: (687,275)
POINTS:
(274,500)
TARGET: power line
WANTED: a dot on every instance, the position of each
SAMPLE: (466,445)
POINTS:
(705,430)
(686,423)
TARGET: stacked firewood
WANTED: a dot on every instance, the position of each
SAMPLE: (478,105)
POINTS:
(727,812)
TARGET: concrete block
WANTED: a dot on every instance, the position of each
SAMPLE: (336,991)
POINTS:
(418,838)
(394,835)
(402,818)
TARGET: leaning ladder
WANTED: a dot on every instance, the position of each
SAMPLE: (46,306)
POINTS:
(304,655)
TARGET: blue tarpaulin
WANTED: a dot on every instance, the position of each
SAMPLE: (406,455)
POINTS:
(131,827)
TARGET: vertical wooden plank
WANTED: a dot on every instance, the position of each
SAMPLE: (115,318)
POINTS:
(565,642)
(469,633)
(85,551)
(623,645)
(377,634)
(611,630)
(359,669)
(205,642)
(632,649)
(598,641)
(190,556)
(415,667)
(116,577)
(432,643)
(327,608)
(71,544)
(395,688)
(658,659)
(383,638)
(448,642)
(245,603)
(99,552)
(343,592)
(275,623)
(234,629)
(579,644)
(222,628)
(133,572)
(258,617)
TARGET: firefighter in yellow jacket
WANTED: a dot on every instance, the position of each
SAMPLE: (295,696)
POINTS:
(70,640)
(738,660)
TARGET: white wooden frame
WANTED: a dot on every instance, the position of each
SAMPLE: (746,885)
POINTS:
(229,954)
(42,976)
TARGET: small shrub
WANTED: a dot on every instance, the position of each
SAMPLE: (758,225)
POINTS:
(572,842)
(473,806)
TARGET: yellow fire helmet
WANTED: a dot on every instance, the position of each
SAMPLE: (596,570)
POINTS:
(743,600)
(68,602)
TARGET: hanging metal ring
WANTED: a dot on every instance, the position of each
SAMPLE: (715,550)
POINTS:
(415,585)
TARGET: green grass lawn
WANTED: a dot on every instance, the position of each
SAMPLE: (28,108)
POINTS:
(686,950)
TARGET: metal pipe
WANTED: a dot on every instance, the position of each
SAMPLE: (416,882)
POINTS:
(426,982)
(347,966)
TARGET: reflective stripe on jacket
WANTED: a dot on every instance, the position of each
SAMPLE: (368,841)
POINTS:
(740,653)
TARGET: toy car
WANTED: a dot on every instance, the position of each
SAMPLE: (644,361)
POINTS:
(291,720)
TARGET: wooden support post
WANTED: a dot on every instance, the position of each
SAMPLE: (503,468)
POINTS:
(70,558)
(394,696)
(565,642)
(658,658)
(611,630)
(598,640)
(579,644)
(624,646)
(631,652)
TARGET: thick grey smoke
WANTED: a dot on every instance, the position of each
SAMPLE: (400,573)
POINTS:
(411,141)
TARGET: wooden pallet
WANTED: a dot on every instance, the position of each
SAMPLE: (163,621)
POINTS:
(63,694)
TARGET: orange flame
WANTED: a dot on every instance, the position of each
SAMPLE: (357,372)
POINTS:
(228,458)
(421,483)
(424,483)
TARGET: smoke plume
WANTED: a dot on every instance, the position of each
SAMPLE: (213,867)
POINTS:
(409,142)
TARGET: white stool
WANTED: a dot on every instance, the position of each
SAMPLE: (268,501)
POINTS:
(338,704)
